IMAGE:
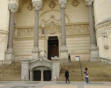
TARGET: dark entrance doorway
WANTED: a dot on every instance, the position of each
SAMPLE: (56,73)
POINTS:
(53,47)
(37,75)
(47,75)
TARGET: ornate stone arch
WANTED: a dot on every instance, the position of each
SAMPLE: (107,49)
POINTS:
(48,16)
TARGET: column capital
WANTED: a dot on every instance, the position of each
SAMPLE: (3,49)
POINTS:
(62,3)
(13,5)
(89,2)
(37,4)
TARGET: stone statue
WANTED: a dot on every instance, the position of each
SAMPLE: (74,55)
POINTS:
(42,54)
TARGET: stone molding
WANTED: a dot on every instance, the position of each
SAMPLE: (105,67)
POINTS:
(103,23)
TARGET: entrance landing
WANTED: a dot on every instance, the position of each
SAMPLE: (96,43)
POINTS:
(61,84)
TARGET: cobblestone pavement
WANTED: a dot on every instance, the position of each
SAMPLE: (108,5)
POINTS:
(61,84)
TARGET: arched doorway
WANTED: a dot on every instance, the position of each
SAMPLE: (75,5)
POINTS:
(42,74)
(53,47)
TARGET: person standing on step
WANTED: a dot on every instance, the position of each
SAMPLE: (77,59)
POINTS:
(67,76)
(86,75)
(69,58)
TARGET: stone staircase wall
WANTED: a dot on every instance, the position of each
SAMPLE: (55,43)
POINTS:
(10,72)
(98,71)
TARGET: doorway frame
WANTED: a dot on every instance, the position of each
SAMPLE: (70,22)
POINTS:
(48,46)
(59,43)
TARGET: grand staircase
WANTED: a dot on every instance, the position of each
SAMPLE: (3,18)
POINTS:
(98,71)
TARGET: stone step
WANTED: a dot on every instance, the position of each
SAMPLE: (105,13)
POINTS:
(97,71)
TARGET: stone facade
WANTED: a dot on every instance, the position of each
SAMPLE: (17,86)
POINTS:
(77,29)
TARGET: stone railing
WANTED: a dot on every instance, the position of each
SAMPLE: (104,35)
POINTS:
(105,60)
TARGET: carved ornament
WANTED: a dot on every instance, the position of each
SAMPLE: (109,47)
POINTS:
(52,4)
(75,3)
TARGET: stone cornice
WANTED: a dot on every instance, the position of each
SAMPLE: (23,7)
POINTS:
(103,23)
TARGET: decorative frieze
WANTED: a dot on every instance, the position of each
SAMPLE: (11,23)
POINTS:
(75,3)
(52,28)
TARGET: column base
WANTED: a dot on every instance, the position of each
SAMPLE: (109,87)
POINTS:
(9,56)
(94,54)
(64,53)
(35,53)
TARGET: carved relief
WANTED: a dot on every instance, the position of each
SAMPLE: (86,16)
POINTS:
(28,4)
(52,28)
(23,32)
(52,4)
(77,29)
(75,3)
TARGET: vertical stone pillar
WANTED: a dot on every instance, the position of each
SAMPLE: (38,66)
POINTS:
(94,54)
(13,6)
(42,75)
(64,51)
(37,5)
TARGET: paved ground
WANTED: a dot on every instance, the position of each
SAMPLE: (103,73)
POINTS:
(27,84)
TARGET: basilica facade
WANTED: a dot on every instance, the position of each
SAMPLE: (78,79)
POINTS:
(43,31)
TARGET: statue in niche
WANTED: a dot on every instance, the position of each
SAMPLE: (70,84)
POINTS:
(42,55)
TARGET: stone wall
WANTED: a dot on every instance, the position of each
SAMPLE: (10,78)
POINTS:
(4,23)
(78,40)
(103,27)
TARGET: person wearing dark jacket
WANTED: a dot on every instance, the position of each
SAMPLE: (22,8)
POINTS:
(67,76)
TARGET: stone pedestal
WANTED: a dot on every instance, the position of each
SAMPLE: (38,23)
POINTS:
(64,53)
(35,53)
(94,54)
(25,70)
(9,56)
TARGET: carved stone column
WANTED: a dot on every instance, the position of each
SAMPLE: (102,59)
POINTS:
(13,6)
(94,50)
(64,51)
(37,5)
